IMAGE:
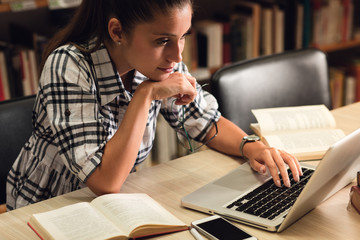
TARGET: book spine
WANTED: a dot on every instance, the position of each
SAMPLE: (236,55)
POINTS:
(2,93)
(355,198)
(4,76)
(166,232)
(36,232)
(226,43)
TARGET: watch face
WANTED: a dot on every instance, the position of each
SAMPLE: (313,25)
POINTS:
(252,138)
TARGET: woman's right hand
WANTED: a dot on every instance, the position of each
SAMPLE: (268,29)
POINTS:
(177,85)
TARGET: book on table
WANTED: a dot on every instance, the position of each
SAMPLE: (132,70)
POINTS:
(110,216)
(304,131)
(355,195)
(355,198)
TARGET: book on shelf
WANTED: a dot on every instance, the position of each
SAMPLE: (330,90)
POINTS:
(356,20)
(350,90)
(4,81)
(278,29)
(240,37)
(210,43)
(299,27)
(307,23)
(59,4)
(15,74)
(304,131)
(226,42)
(355,71)
(7,70)
(2,92)
(333,21)
(347,20)
(110,216)
(189,53)
(267,31)
(250,14)
(25,73)
(337,82)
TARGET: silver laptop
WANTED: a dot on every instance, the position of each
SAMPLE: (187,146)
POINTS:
(226,196)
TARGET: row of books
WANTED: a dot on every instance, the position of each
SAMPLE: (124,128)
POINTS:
(345,84)
(18,5)
(333,21)
(18,72)
(256,28)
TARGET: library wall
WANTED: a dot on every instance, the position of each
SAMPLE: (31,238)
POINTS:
(224,32)
(242,29)
(23,35)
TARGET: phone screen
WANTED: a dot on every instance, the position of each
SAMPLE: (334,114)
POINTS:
(223,230)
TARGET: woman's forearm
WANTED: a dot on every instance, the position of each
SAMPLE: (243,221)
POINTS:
(121,151)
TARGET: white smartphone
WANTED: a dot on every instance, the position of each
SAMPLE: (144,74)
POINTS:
(218,228)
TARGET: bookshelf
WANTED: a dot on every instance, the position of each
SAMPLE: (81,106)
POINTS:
(24,29)
(289,7)
(38,12)
(23,6)
(40,19)
(332,26)
(339,46)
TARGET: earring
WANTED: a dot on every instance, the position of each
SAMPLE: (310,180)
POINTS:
(118,43)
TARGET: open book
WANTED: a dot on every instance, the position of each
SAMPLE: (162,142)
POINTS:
(111,216)
(305,131)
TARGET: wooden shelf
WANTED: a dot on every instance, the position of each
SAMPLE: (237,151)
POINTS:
(339,46)
(5,7)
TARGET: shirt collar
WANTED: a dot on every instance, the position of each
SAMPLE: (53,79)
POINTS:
(109,82)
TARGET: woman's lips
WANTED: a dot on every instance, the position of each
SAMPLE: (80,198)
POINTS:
(167,70)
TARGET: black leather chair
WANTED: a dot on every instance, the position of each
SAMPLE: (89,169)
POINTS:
(293,78)
(15,130)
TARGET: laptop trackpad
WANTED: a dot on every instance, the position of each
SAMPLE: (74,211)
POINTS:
(241,178)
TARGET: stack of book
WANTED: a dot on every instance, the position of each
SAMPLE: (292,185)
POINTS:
(355,195)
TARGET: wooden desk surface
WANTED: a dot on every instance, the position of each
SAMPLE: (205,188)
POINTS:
(169,182)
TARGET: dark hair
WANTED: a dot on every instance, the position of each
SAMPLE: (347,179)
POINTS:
(92,16)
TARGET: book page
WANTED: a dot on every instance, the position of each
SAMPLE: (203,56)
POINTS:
(293,118)
(130,211)
(304,142)
(78,221)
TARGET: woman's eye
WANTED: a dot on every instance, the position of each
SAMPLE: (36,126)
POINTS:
(162,41)
(186,34)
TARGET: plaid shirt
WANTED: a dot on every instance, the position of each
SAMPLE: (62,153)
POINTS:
(80,104)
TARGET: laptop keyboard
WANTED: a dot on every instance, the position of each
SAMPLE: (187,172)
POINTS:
(268,200)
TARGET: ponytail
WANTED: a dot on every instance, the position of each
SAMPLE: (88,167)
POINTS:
(88,22)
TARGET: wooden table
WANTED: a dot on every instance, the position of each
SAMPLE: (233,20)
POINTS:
(169,182)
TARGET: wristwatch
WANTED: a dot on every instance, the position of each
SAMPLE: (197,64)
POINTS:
(246,139)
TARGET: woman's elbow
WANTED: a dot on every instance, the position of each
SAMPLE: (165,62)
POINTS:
(101,185)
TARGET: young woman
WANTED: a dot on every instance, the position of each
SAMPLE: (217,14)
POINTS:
(105,78)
